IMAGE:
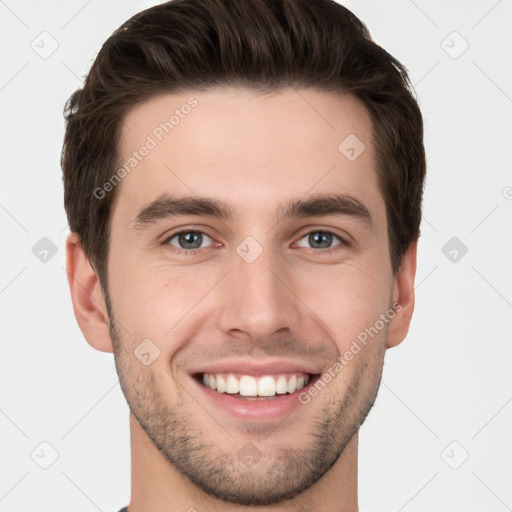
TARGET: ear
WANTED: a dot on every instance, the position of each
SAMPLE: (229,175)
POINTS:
(87,296)
(403,297)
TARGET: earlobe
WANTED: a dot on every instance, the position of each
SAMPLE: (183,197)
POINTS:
(403,297)
(87,296)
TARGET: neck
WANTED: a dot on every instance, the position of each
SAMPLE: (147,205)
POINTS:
(156,486)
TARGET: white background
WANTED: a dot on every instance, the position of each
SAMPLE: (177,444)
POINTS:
(449,381)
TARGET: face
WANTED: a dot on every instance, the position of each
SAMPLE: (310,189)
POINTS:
(248,255)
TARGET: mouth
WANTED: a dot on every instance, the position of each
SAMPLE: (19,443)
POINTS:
(250,387)
(256,392)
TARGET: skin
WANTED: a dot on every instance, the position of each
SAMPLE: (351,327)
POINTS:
(293,302)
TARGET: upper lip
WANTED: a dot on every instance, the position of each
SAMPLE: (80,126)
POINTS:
(254,368)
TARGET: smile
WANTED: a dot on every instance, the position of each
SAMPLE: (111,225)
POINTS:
(264,386)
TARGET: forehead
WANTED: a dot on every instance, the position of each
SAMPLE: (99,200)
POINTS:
(254,148)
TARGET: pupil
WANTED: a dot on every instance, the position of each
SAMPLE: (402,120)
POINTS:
(318,237)
(190,237)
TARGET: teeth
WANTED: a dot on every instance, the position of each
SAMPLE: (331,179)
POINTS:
(281,385)
(266,386)
(232,385)
(221,384)
(247,385)
(292,383)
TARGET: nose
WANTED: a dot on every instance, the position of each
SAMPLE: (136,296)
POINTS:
(257,299)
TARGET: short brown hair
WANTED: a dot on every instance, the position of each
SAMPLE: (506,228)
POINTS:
(265,45)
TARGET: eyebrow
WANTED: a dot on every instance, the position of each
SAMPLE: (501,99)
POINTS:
(319,205)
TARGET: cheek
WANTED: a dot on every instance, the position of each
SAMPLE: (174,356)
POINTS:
(151,301)
(348,300)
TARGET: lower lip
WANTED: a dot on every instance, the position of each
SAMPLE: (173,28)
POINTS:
(263,410)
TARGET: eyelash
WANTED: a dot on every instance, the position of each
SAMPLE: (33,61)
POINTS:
(190,252)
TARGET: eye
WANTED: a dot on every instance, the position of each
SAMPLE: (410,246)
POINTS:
(321,240)
(188,239)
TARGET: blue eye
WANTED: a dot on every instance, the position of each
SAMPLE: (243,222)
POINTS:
(321,239)
(188,239)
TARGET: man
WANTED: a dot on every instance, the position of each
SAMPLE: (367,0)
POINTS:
(243,183)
